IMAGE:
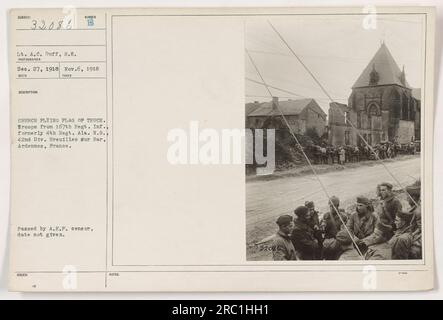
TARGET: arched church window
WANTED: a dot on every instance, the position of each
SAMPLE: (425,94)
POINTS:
(373,110)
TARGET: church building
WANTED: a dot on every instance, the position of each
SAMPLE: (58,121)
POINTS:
(382,106)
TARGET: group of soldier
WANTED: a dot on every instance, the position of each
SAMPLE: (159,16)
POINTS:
(383,233)
(327,154)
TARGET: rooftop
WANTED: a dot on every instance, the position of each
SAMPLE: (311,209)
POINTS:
(387,71)
(288,107)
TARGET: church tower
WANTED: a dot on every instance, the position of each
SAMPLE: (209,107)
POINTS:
(383,102)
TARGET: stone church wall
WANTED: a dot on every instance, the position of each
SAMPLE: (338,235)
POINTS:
(406,131)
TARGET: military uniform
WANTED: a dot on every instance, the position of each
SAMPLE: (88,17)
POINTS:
(401,244)
(331,223)
(382,233)
(347,249)
(349,253)
(282,247)
(331,249)
(314,221)
(381,251)
(362,225)
(304,240)
(391,206)
(416,249)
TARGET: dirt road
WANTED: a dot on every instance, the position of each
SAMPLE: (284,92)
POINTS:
(266,200)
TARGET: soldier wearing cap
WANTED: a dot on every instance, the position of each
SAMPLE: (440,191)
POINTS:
(401,241)
(314,221)
(399,247)
(348,251)
(303,237)
(282,247)
(362,222)
(414,201)
(331,222)
(341,247)
(390,206)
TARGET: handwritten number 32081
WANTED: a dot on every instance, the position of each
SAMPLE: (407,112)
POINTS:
(54,25)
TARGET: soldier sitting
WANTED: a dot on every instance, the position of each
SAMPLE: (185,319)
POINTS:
(347,248)
(390,206)
(303,237)
(401,242)
(331,224)
(340,248)
(399,247)
(282,247)
(314,221)
(362,222)
(382,233)
(414,202)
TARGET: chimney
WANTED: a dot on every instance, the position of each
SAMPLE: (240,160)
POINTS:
(274,102)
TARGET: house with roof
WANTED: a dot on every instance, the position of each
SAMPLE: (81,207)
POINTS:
(382,106)
(301,114)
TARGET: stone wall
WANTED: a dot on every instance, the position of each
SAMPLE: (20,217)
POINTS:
(406,131)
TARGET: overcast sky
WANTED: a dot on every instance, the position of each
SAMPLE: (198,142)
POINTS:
(335,48)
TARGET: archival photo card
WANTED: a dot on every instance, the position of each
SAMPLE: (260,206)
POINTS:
(221,149)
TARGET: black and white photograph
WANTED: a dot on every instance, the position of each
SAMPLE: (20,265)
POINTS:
(335,104)
(245,150)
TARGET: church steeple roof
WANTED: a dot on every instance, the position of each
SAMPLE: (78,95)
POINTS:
(386,68)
